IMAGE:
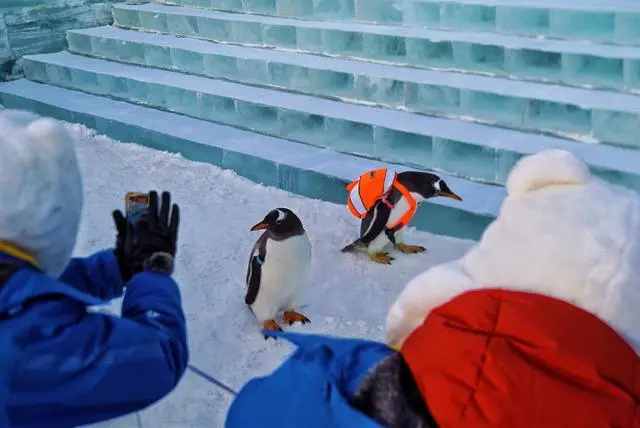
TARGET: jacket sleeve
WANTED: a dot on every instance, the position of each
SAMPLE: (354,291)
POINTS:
(103,366)
(97,275)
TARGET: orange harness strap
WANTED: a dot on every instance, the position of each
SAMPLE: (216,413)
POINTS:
(413,206)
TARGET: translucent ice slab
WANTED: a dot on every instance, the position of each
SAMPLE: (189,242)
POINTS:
(474,151)
(610,21)
(568,62)
(581,113)
(295,167)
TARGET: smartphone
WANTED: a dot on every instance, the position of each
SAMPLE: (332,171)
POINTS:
(136,205)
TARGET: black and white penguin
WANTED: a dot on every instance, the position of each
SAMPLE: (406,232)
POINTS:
(383,224)
(279,269)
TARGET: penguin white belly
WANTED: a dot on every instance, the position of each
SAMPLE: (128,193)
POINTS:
(381,243)
(284,276)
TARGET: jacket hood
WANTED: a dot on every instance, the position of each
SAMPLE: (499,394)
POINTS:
(41,196)
(317,381)
(28,283)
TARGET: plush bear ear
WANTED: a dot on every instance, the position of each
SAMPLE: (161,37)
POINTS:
(547,168)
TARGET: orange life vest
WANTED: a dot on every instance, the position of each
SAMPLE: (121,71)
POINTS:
(507,359)
(373,186)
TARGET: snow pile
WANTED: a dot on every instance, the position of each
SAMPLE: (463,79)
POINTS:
(41,194)
(560,232)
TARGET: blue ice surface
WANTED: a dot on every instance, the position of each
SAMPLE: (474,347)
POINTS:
(586,5)
(581,113)
(597,20)
(317,9)
(472,150)
(39,25)
(576,16)
(571,62)
(295,167)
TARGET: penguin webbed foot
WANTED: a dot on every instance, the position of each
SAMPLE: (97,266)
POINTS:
(410,249)
(382,258)
(271,325)
(291,317)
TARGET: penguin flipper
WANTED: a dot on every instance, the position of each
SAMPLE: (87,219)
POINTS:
(254,273)
(254,270)
(374,222)
(354,246)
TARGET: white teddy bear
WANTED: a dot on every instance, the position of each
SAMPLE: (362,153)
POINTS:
(561,232)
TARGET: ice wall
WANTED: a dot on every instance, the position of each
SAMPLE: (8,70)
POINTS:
(5,49)
(37,26)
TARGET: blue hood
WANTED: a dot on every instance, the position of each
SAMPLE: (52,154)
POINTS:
(24,285)
(312,387)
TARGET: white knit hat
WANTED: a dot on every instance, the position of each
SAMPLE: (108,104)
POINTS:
(41,193)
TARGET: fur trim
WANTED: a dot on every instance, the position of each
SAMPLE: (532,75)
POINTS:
(159,262)
(389,395)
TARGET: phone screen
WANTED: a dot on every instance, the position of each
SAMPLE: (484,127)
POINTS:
(136,205)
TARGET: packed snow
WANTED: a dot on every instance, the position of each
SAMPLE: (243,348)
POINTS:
(349,295)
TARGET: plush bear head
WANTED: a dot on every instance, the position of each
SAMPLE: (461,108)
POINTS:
(561,232)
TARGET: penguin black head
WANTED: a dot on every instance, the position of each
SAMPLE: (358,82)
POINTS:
(426,185)
(281,222)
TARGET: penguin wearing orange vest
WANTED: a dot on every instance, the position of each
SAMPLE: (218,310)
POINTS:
(386,202)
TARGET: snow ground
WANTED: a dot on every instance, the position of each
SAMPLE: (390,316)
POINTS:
(349,295)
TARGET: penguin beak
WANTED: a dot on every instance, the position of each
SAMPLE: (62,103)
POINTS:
(450,195)
(260,226)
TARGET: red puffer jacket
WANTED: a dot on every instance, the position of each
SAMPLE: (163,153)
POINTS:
(499,358)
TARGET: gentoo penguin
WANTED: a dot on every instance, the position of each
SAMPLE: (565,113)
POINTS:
(386,202)
(279,266)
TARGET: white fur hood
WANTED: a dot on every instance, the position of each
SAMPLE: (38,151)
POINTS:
(561,232)
(41,195)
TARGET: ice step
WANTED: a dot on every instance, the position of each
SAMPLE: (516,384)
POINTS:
(578,113)
(475,151)
(604,21)
(601,20)
(568,62)
(295,167)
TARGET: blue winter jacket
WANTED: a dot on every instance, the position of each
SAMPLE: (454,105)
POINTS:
(311,388)
(65,366)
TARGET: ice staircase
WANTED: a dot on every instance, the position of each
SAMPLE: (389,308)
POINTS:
(318,91)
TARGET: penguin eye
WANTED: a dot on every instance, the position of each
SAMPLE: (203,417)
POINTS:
(278,221)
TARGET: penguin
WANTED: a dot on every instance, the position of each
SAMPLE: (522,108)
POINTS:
(383,224)
(279,269)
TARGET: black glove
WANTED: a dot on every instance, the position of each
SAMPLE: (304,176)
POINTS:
(151,243)
(121,223)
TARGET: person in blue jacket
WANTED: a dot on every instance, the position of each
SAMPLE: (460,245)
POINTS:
(62,365)
(331,382)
